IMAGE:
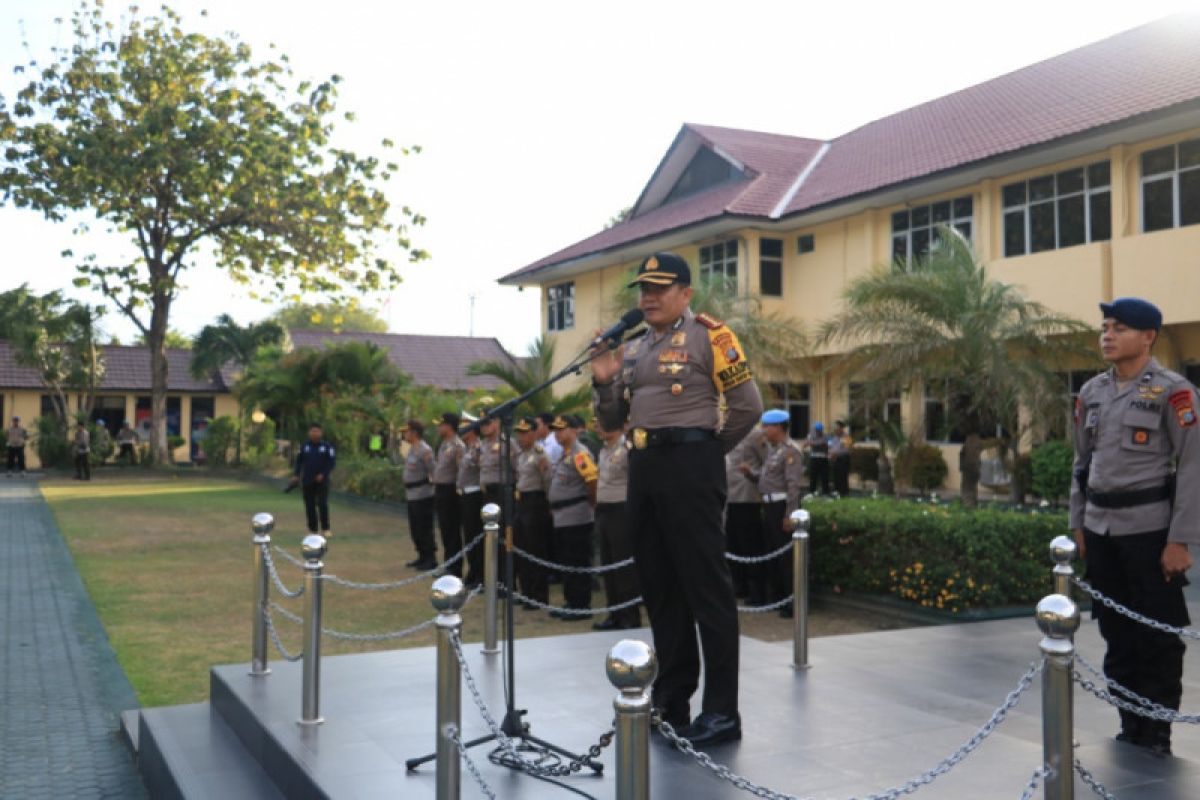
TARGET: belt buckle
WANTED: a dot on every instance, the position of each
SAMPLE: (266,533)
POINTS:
(641,438)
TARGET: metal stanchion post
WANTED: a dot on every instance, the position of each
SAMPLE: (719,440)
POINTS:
(448,596)
(491,537)
(1062,550)
(800,522)
(313,549)
(1058,619)
(631,668)
(261,525)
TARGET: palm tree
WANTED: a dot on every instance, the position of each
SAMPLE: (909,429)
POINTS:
(945,319)
(521,375)
(226,342)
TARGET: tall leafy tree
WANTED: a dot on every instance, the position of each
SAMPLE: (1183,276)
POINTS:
(944,319)
(521,375)
(336,318)
(196,151)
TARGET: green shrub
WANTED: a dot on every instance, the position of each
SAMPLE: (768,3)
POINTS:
(259,445)
(1052,465)
(922,466)
(942,557)
(220,439)
(52,443)
(864,462)
(372,478)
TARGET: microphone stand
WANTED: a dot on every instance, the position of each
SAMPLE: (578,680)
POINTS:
(513,726)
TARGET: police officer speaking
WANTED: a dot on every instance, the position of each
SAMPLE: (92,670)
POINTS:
(669,384)
(1135,441)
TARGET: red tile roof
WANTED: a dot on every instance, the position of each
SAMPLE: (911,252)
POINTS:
(1138,72)
(439,361)
(125,369)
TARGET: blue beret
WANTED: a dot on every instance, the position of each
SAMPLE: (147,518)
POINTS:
(818,427)
(775,416)
(1134,312)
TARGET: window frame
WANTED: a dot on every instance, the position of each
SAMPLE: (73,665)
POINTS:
(1174,173)
(708,266)
(953,221)
(864,429)
(796,398)
(560,297)
(1087,192)
(773,260)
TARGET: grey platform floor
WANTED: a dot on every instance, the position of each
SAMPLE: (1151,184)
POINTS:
(875,710)
(61,688)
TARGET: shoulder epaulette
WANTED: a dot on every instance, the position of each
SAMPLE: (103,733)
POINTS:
(708,321)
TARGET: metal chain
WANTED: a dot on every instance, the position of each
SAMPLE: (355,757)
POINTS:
(1142,706)
(770,607)
(275,638)
(370,637)
(508,745)
(577,612)
(1095,785)
(349,584)
(1133,615)
(785,548)
(541,562)
(283,590)
(925,778)
(452,734)
(1041,772)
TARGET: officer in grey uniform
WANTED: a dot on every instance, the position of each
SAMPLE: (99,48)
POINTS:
(817,445)
(418,495)
(1135,444)
(16,438)
(572,495)
(612,528)
(533,524)
(470,501)
(781,484)
(445,489)
(668,384)
(743,515)
(491,453)
(81,446)
(839,457)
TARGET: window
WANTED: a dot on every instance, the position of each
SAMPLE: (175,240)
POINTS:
(1054,211)
(46,407)
(720,259)
(111,409)
(797,399)
(1192,373)
(869,411)
(940,427)
(1171,186)
(770,267)
(805,243)
(706,169)
(1058,425)
(560,307)
(914,230)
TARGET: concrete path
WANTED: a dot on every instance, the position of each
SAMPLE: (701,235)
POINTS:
(61,689)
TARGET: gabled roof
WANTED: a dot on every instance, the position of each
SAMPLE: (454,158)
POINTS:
(1149,69)
(439,361)
(126,369)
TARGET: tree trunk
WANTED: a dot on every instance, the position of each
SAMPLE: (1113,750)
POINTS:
(886,483)
(156,339)
(1016,492)
(968,463)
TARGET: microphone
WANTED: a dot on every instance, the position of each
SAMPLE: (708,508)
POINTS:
(630,319)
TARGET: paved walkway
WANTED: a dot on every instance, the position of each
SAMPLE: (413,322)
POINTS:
(61,689)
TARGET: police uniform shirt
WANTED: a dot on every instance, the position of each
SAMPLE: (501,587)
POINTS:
(783,473)
(490,455)
(468,468)
(1132,438)
(818,445)
(17,436)
(750,451)
(532,469)
(448,454)
(674,379)
(569,480)
(418,467)
(552,447)
(313,460)
(126,436)
(83,441)
(613,481)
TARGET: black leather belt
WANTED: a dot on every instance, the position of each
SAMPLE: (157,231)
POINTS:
(657,437)
(415,484)
(533,493)
(492,488)
(560,504)
(1138,497)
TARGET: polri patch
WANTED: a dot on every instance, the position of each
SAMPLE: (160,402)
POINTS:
(1140,437)
(1184,405)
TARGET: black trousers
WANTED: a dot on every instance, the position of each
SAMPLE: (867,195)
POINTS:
(127,452)
(818,473)
(676,497)
(445,501)
(573,547)
(778,569)
(744,537)
(420,525)
(83,466)
(1128,569)
(469,506)
(612,529)
(841,474)
(316,505)
(533,531)
(16,459)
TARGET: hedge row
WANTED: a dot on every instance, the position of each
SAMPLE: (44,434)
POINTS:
(937,556)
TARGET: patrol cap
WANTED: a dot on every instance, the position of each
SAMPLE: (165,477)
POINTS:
(414,426)
(576,421)
(561,423)
(663,269)
(775,416)
(472,428)
(525,424)
(449,418)
(1134,312)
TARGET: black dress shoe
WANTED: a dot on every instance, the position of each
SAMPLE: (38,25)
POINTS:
(607,624)
(712,728)
(414,562)
(425,564)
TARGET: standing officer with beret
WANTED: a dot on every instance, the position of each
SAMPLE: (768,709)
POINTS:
(418,495)
(669,384)
(534,525)
(781,484)
(445,490)
(1135,442)
(572,495)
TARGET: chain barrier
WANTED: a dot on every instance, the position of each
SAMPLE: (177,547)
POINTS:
(510,748)
(1142,706)
(784,548)
(471,768)
(769,607)
(941,768)
(275,637)
(1093,784)
(368,637)
(1036,778)
(349,584)
(541,562)
(283,590)
(576,612)
(1100,597)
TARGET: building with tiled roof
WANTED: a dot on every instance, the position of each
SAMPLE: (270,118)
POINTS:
(1076,178)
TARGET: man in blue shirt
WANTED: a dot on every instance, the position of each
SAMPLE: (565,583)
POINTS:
(314,462)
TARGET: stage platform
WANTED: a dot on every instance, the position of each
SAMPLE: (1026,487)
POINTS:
(875,710)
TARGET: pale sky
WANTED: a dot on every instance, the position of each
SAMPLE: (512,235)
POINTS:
(540,120)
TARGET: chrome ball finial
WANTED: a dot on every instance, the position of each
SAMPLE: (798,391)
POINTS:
(631,666)
(314,547)
(448,594)
(1063,550)
(1057,616)
(490,514)
(262,523)
(801,519)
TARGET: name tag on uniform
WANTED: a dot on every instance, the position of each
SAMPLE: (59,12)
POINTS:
(673,357)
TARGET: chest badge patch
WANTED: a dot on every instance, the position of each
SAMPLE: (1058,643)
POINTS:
(677,389)
(678,339)
(1184,406)
(1141,437)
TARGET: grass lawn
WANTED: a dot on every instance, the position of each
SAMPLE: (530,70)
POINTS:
(167,561)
